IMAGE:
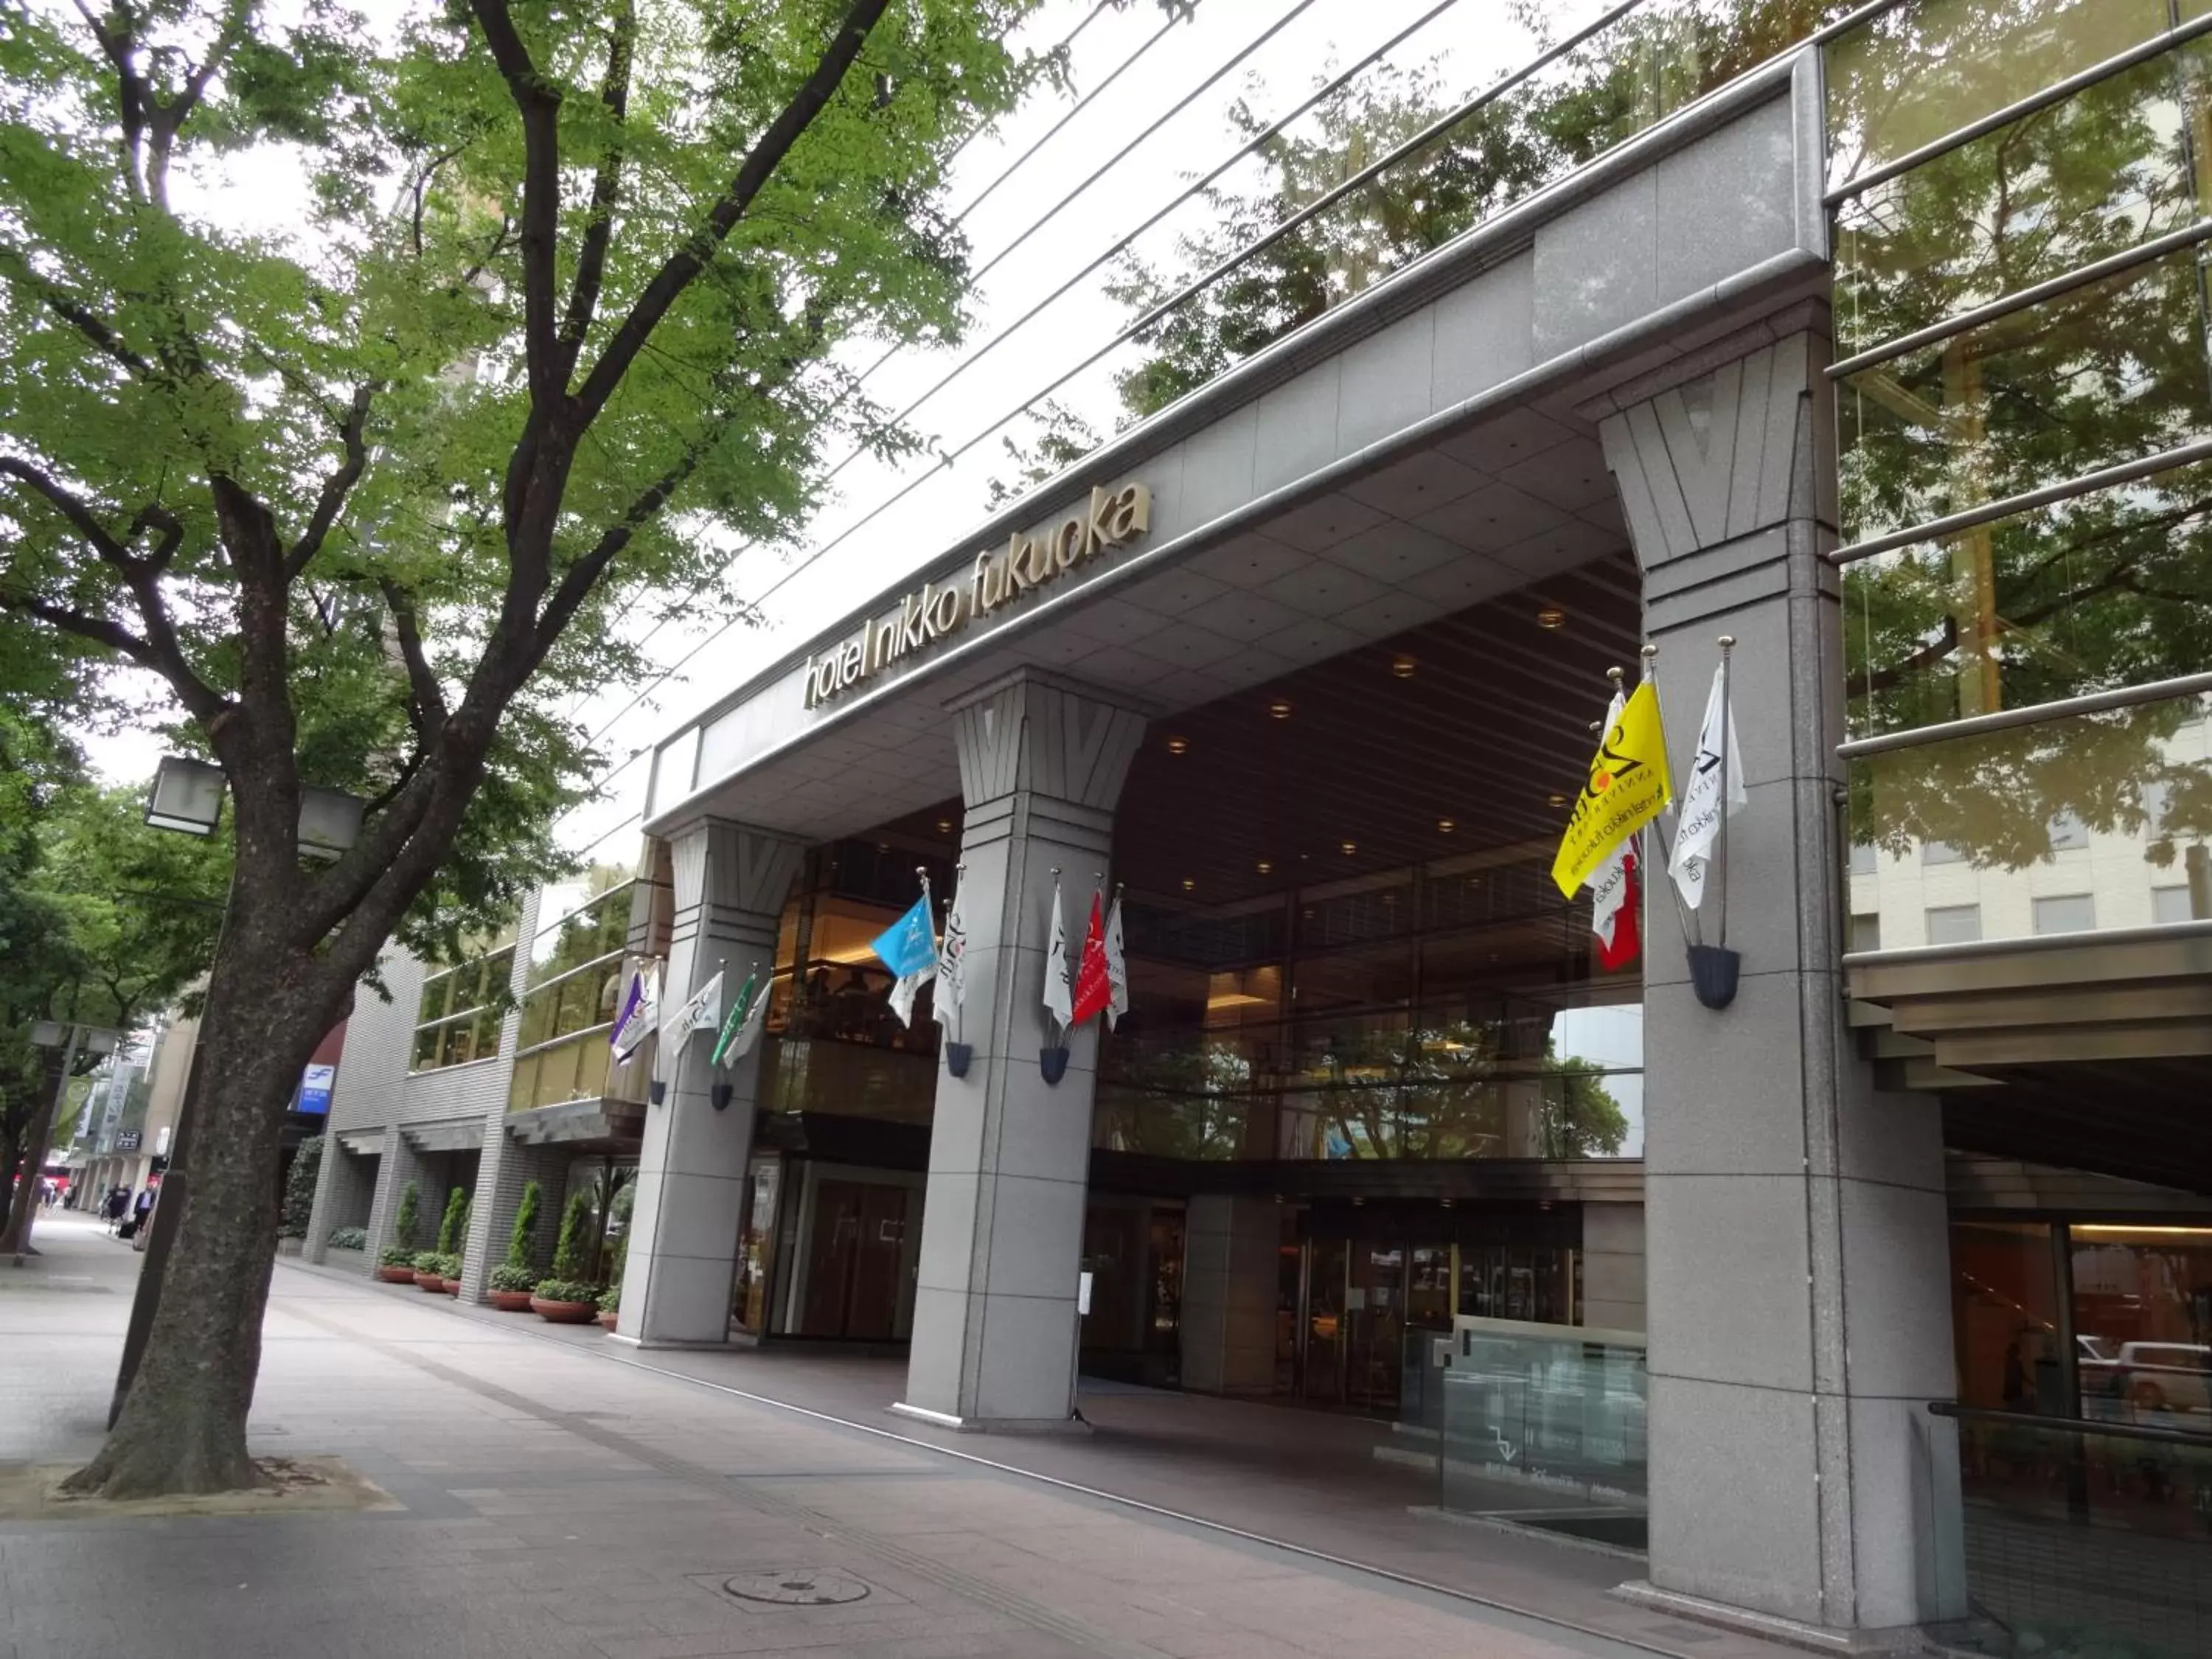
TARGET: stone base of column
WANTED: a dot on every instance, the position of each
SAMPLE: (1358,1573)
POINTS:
(990,1424)
(1818,1638)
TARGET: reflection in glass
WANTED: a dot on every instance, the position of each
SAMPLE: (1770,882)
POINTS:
(1995,795)
(1917,72)
(2111,372)
(2106,590)
(2103,171)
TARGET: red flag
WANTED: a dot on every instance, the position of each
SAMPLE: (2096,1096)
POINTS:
(1621,950)
(1093,983)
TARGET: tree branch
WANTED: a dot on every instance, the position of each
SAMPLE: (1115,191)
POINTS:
(583,575)
(606,189)
(99,629)
(427,705)
(677,272)
(539,104)
(336,487)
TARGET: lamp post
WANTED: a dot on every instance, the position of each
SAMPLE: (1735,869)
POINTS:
(67,1036)
(187,796)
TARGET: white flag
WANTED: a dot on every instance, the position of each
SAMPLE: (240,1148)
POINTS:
(1608,883)
(703,1013)
(904,989)
(1117,967)
(952,963)
(1059,994)
(640,1013)
(755,1022)
(1699,825)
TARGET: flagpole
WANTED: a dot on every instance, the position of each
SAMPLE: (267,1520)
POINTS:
(1650,673)
(960,1002)
(1728,723)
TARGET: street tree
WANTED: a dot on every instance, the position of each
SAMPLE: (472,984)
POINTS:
(103,922)
(561,302)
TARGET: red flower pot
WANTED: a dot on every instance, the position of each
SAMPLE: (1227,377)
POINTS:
(396,1275)
(606,1320)
(564,1313)
(434,1283)
(512,1301)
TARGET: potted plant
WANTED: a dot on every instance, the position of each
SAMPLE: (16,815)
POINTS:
(431,1267)
(611,1297)
(456,1253)
(395,1264)
(566,1297)
(513,1280)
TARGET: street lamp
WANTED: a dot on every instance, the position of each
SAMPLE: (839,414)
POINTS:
(187,796)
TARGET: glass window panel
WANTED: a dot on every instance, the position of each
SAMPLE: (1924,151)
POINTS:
(2141,1318)
(2106,590)
(2108,373)
(591,1075)
(2065,912)
(435,991)
(1917,72)
(487,1024)
(2004,1309)
(426,1049)
(578,1004)
(1955,924)
(457,1043)
(2171,903)
(522,1086)
(1865,861)
(2102,172)
(1866,931)
(1991,796)
(1938,852)
(538,1011)
(2070,835)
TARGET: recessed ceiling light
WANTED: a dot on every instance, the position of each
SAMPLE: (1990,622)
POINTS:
(1445,826)
(1557,800)
(1403,666)
(1264,867)
(1178,745)
(1279,708)
(1551,617)
(1188,885)
(945,826)
(1349,848)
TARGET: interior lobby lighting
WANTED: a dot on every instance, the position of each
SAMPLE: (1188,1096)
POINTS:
(1445,826)
(1403,666)
(2121,1229)
(1350,848)
(1557,800)
(1188,885)
(945,826)
(1551,617)
(1264,867)
(1178,745)
(1279,708)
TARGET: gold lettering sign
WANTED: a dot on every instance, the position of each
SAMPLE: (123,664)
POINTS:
(1112,518)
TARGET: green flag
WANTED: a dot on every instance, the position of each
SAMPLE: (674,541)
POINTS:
(736,1022)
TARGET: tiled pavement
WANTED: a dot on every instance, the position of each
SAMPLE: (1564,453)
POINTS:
(557,1504)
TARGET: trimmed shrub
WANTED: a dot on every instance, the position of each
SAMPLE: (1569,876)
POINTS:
(452,1226)
(566,1290)
(395,1255)
(522,1242)
(508,1277)
(572,1251)
(348,1238)
(300,1189)
(403,1224)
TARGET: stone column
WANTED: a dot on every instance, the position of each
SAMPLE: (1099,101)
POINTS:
(342,1190)
(1042,762)
(1231,1272)
(1796,1239)
(398,1164)
(731,884)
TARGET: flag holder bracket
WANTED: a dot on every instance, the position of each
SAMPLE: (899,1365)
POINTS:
(657,1090)
(956,1057)
(1051,1063)
(1714,969)
(718,1095)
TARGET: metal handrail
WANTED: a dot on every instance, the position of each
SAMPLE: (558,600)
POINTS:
(1951,1408)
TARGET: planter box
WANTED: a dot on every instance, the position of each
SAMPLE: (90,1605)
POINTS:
(453,1287)
(564,1313)
(511,1301)
(434,1283)
(396,1275)
(606,1320)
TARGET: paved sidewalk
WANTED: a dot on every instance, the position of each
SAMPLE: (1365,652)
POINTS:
(559,1505)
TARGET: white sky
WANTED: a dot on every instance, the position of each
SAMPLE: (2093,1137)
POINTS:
(1472,41)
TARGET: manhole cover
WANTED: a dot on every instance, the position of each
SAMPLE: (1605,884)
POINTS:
(799,1588)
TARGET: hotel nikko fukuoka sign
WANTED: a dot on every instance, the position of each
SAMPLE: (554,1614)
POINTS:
(1110,518)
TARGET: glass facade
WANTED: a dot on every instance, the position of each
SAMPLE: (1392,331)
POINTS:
(2015,326)
(459,1012)
(573,980)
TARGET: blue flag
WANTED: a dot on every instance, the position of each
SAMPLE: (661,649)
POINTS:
(908,945)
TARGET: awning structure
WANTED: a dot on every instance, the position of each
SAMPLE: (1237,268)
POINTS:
(2031,1042)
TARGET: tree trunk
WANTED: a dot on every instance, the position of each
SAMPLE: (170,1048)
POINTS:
(33,1155)
(183,1425)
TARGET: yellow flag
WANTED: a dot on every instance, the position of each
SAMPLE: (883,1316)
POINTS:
(1628,787)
